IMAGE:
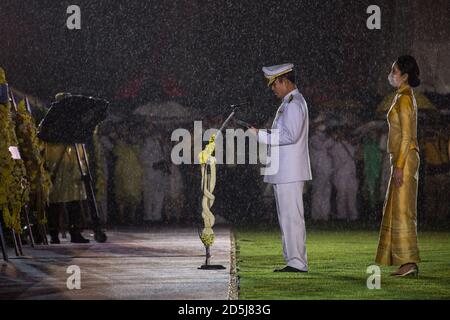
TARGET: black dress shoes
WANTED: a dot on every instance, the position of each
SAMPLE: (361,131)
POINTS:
(289,269)
(76,237)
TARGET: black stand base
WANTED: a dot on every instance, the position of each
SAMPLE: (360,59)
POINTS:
(208,266)
(212,267)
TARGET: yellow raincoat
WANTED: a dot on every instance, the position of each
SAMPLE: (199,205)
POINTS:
(67,183)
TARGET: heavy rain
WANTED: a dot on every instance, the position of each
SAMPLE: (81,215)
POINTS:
(114,88)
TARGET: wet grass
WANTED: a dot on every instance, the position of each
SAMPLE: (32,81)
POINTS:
(338,262)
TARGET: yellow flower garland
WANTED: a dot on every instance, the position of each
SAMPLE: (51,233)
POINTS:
(31,148)
(14,190)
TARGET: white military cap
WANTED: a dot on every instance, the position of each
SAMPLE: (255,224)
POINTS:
(273,72)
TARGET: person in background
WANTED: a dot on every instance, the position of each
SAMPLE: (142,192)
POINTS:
(128,174)
(372,170)
(322,169)
(156,172)
(176,198)
(437,169)
(105,161)
(344,175)
(68,188)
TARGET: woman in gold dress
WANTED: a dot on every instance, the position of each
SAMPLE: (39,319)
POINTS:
(398,235)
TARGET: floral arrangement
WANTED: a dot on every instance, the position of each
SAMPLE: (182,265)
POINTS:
(14,187)
(31,149)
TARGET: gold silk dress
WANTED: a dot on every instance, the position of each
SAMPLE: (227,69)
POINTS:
(398,235)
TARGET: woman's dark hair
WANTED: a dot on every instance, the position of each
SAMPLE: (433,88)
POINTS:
(407,64)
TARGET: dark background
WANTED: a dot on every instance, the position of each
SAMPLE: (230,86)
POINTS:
(212,50)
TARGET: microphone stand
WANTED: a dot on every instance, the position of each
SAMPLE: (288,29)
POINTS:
(235,108)
(204,161)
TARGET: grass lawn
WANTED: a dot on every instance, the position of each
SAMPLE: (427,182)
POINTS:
(338,262)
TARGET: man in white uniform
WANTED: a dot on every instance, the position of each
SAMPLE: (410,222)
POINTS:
(291,124)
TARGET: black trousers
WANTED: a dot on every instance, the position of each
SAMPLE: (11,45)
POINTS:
(56,210)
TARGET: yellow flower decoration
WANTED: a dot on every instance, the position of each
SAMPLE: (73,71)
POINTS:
(14,189)
(31,148)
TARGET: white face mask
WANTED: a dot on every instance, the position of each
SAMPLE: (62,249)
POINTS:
(394,81)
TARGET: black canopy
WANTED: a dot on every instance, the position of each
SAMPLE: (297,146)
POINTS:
(73,119)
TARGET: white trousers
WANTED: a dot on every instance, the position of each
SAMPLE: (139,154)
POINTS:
(289,200)
(155,188)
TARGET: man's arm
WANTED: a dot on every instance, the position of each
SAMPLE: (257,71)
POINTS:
(290,127)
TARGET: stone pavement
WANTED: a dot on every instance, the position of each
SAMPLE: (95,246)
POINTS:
(134,263)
